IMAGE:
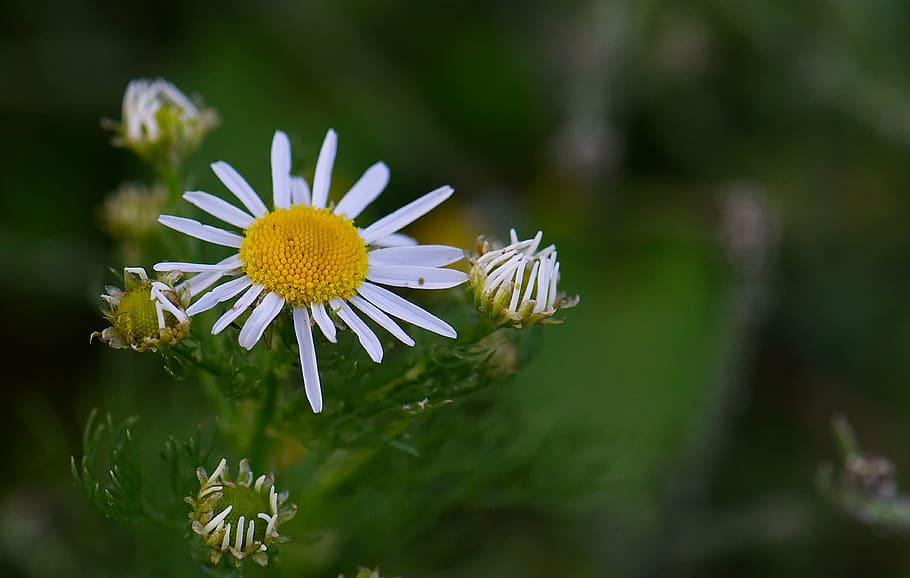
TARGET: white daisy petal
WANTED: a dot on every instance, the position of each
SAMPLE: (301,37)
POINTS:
(237,309)
(415,277)
(300,191)
(365,335)
(202,281)
(239,544)
(531,278)
(308,358)
(225,541)
(214,522)
(159,313)
(259,319)
(200,231)
(381,318)
(164,302)
(405,310)
(552,295)
(178,97)
(507,270)
(219,294)
(323,178)
(137,271)
(325,323)
(233,263)
(421,255)
(241,189)
(395,240)
(543,282)
(364,191)
(516,283)
(219,208)
(218,471)
(406,214)
(281,170)
(250,532)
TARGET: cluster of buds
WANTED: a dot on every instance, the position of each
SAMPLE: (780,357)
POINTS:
(145,315)
(241,517)
(160,122)
(517,284)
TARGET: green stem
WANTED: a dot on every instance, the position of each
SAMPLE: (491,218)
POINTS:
(259,443)
(169,174)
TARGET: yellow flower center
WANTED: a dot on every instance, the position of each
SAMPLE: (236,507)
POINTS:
(305,255)
(135,317)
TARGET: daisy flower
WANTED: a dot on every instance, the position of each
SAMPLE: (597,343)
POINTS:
(518,283)
(311,257)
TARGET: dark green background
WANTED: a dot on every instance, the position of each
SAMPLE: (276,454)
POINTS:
(672,426)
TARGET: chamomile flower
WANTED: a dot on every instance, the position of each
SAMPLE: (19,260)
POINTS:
(517,283)
(145,315)
(238,517)
(159,121)
(311,258)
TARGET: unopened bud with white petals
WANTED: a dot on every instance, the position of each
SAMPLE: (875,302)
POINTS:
(518,283)
(159,122)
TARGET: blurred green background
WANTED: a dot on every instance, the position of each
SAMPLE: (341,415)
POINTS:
(727,183)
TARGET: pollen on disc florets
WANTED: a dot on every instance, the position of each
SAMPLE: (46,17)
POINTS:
(305,255)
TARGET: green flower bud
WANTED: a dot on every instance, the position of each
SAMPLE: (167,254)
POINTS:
(145,315)
(240,517)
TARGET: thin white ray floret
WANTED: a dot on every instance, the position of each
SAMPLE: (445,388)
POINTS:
(381,318)
(323,177)
(204,232)
(259,319)
(420,255)
(219,208)
(399,307)
(217,520)
(241,189)
(226,540)
(219,294)
(281,170)
(365,335)
(231,263)
(322,319)
(364,191)
(237,309)
(406,215)
(416,277)
(311,385)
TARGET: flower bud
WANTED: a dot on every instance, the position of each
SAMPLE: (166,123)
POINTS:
(131,212)
(517,284)
(160,123)
(145,315)
(240,517)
